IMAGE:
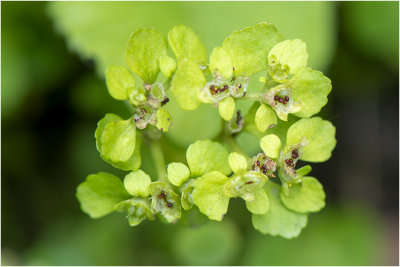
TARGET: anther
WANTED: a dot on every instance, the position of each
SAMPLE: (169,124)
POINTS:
(295,154)
(169,205)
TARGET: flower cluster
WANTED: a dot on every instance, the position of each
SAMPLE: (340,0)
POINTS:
(277,194)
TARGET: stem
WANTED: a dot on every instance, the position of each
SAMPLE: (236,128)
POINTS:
(231,142)
(158,158)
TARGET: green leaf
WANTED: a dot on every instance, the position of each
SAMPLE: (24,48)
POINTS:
(167,65)
(309,196)
(187,197)
(260,204)
(165,201)
(249,48)
(163,120)
(320,135)
(186,44)
(178,173)
(265,117)
(271,145)
(204,156)
(144,48)
(118,140)
(237,162)
(109,117)
(137,183)
(138,210)
(278,220)
(100,193)
(221,62)
(292,53)
(226,108)
(303,171)
(208,195)
(118,80)
(310,89)
(186,85)
(133,163)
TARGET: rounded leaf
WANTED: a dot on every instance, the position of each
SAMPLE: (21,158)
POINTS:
(100,193)
(249,48)
(137,183)
(271,145)
(109,117)
(309,196)
(167,65)
(260,204)
(292,53)
(186,85)
(320,136)
(279,220)
(221,62)
(118,140)
(178,173)
(186,44)
(163,120)
(265,117)
(226,108)
(204,156)
(118,80)
(310,88)
(208,195)
(144,48)
(237,162)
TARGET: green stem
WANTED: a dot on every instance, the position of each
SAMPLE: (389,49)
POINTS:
(233,146)
(158,158)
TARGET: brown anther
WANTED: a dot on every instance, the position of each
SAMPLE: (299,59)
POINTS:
(165,101)
(258,163)
(250,182)
(240,85)
(276,98)
(286,98)
(226,87)
(169,205)
(161,195)
(280,100)
(295,154)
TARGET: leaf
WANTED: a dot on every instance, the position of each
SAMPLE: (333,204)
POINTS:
(244,183)
(163,120)
(278,220)
(204,156)
(226,108)
(292,53)
(118,80)
(237,162)
(260,204)
(303,171)
(137,183)
(167,65)
(311,89)
(186,85)
(133,163)
(221,62)
(271,145)
(109,117)
(309,196)
(249,48)
(100,193)
(178,173)
(208,195)
(320,135)
(186,44)
(118,140)
(144,48)
(265,117)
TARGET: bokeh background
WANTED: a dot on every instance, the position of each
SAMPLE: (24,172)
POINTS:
(53,56)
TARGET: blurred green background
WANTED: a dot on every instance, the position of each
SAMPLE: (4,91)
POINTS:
(53,93)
